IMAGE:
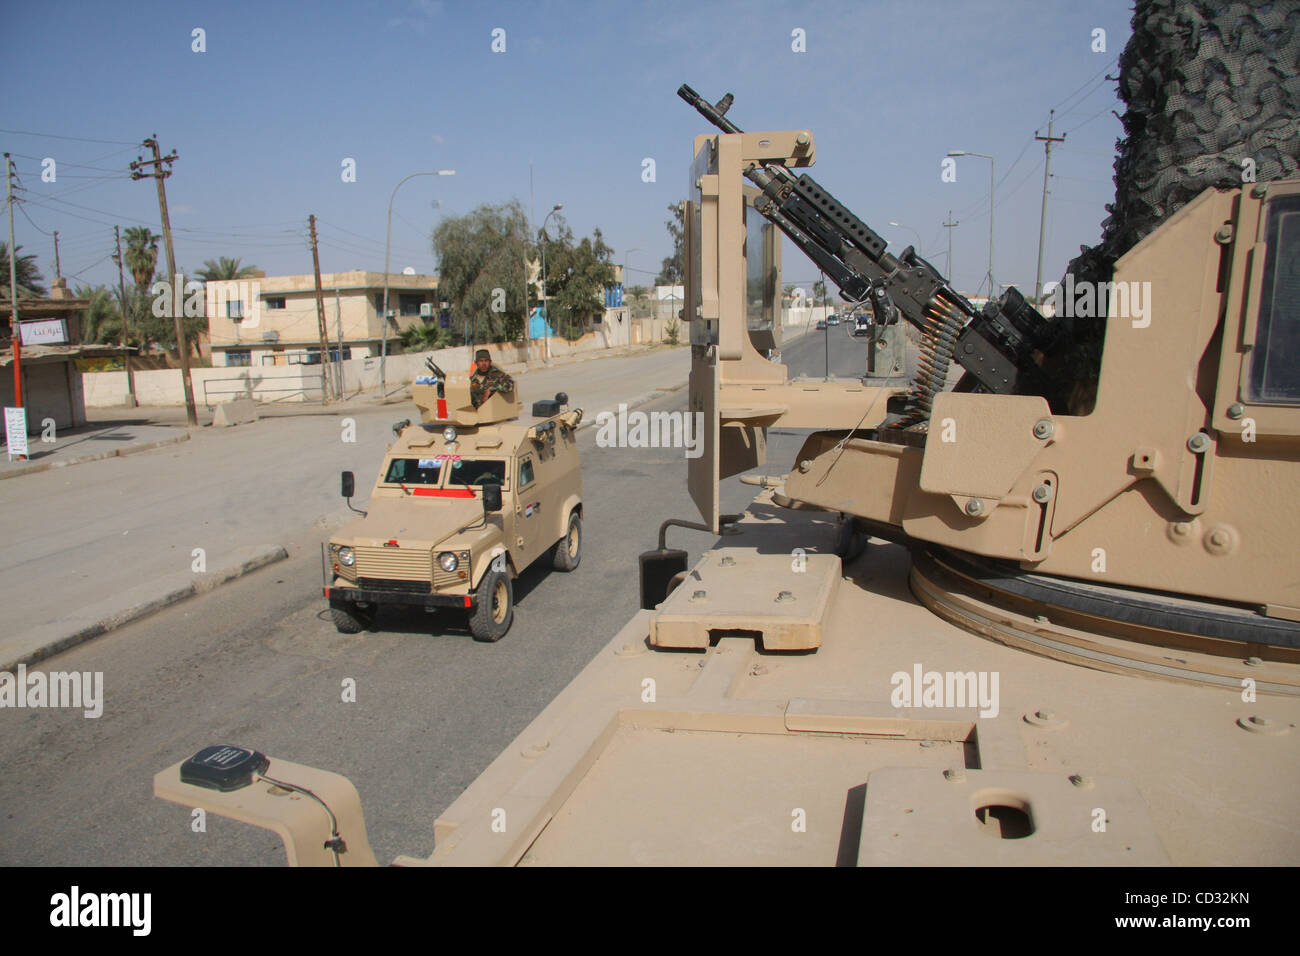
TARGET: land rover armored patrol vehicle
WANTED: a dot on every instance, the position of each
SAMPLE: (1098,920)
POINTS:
(464,500)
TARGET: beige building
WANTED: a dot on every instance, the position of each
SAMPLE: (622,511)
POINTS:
(272,320)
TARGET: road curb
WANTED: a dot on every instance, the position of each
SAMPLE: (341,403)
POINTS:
(635,402)
(97,456)
(45,642)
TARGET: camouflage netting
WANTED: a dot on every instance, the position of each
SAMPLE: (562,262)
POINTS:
(1207,84)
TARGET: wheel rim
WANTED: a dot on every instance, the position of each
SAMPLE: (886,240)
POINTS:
(573,541)
(499,602)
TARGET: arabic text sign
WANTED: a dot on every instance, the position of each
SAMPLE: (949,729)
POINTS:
(44,332)
(16,431)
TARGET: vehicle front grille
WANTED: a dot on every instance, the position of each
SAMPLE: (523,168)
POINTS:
(389,584)
(395,564)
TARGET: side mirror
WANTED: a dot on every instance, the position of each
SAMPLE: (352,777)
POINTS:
(349,484)
(491,499)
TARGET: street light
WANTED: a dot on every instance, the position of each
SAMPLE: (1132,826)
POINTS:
(913,232)
(383,319)
(546,313)
(992,164)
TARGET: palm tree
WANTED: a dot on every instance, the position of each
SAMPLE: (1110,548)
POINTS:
(141,255)
(101,323)
(225,268)
(26,274)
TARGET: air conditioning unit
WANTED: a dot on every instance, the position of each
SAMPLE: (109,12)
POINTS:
(270,336)
(426,310)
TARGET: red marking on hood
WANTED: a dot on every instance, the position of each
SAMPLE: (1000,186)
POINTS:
(444,493)
(442,408)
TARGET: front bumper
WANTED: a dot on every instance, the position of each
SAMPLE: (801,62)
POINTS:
(341,596)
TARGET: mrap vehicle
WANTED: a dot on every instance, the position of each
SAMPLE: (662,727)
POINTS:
(463,502)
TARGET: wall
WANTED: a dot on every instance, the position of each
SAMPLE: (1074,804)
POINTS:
(296,383)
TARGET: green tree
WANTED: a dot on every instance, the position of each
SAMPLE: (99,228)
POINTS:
(423,338)
(101,323)
(26,274)
(141,259)
(673,269)
(141,256)
(577,275)
(223,268)
(481,266)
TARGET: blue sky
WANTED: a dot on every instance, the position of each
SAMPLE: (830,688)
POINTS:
(263,120)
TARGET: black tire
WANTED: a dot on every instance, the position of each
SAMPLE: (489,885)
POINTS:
(494,607)
(1207,84)
(350,619)
(568,550)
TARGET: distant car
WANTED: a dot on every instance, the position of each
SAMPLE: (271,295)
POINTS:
(821,324)
(832,319)
(861,326)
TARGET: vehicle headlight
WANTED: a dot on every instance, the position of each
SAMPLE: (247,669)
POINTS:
(448,561)
(449,433)
(346,557)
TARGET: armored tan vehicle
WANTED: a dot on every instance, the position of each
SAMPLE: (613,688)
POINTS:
(1041,617)
(463,501)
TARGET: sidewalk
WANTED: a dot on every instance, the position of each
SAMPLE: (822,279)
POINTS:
(127,432)
(90,547)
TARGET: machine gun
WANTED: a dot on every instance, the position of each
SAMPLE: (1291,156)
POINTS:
(997,346)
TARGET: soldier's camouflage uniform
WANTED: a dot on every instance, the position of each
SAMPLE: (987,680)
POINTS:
(494,380)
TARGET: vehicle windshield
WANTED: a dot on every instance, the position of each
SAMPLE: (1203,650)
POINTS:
(413,471)
(481,471)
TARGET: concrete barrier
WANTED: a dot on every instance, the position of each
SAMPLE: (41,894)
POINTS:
(237,411)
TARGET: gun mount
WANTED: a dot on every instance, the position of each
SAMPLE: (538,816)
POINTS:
(999,346)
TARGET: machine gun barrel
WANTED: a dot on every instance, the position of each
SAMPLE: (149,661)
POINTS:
(714,114)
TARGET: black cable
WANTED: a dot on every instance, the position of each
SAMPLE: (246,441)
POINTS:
(336,843)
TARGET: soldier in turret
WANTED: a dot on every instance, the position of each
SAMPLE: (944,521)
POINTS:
(487,379)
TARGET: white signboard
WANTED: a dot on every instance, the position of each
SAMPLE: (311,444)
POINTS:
(16,432)
(44,332)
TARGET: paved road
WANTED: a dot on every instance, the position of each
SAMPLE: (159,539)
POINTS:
(93,535)
(258,663)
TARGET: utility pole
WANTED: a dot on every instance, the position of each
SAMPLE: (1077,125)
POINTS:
(950,225)
(1047,142)
(339,389)
(58,274)
(158,175)
(320,315)
(13,292)
(126,321)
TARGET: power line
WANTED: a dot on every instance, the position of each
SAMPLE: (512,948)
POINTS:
(29,219)
(1105,69)
(77,139)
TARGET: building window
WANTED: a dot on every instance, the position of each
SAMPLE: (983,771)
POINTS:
(239,357)
(411,303)
(235,309)
(379,304)
(275,302)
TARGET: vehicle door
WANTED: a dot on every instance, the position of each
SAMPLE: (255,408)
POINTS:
(530,513)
